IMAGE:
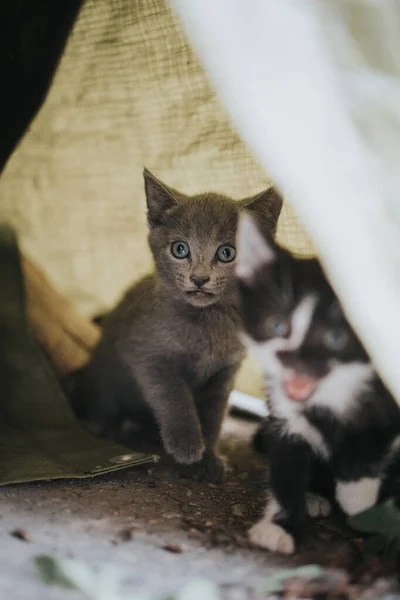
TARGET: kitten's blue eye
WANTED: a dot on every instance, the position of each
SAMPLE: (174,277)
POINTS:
(277,326)
(180,249)
(336,339)
(226,253)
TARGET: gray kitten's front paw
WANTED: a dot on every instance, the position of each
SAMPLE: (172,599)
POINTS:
(210,468)
(186,450)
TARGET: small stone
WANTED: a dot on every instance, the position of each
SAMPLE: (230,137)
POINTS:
(239,510)
(21,534)
(126,535)
(173,549)
(220,538)
(194,532)
(186,507)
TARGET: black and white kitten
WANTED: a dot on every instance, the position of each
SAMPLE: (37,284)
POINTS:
(327,404)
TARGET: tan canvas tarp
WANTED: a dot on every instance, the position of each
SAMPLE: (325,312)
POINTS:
(129,92)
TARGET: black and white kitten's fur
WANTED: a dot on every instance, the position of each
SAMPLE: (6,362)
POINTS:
(328,407)
(170,349)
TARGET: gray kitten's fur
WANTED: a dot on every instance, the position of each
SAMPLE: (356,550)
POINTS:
(170,348)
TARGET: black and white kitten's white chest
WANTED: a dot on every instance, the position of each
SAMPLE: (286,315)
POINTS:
(334,408)
(360,441)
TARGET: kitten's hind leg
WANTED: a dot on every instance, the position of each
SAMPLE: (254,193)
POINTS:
(100,396)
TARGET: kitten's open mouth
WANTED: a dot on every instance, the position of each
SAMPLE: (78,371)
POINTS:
(300,387)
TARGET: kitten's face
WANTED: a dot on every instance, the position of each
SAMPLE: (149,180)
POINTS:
(193,241)
(195,249)
(295,326)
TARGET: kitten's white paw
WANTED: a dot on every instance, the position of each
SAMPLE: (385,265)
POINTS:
(356,496)
(317,506)
(272,537)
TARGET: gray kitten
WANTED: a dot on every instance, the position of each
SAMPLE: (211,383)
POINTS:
(165,366)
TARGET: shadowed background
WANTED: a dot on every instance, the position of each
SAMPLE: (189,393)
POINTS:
(128,92)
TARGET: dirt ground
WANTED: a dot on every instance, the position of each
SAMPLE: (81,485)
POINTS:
(159,529)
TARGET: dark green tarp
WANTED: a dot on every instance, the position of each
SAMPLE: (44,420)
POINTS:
(39,435)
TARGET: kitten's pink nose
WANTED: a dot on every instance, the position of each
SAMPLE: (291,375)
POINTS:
(199,281)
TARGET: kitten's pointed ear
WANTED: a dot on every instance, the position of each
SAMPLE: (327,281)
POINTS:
(254,249)
(159,197)
(266,207)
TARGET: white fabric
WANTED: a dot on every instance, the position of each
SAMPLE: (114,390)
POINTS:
(313,87)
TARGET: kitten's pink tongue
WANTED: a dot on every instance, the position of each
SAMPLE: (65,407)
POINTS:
(299,387)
